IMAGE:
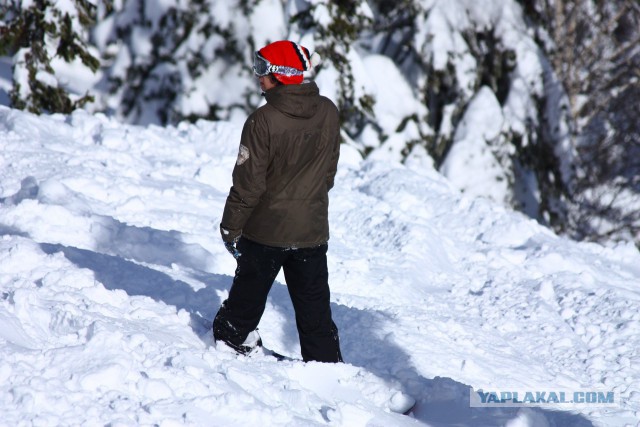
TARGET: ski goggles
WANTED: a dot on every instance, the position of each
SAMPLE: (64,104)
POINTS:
(262,67)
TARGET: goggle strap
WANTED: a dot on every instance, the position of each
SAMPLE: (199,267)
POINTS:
(284,70)
(275,69)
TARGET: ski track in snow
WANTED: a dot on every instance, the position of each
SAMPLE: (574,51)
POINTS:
(111,271)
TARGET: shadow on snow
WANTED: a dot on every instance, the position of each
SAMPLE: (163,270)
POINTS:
(440,401)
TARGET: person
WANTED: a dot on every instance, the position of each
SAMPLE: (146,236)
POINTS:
(276,213)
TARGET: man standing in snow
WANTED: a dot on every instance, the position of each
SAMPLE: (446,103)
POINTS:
(276,214)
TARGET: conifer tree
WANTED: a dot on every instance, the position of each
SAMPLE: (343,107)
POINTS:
(594,48)
(336,27)
(35,33)
(561,75)
(163,55)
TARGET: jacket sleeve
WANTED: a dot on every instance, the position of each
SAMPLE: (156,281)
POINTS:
(249,176)
(335,155)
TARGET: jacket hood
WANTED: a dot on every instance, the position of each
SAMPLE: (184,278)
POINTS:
(295,100)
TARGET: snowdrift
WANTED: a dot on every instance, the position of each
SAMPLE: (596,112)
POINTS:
(111,270)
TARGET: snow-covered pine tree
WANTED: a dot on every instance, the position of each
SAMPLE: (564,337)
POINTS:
(595,51)
(334,28)
(393,35)
(38,32)
(176,60)
(463,59)
(537,96)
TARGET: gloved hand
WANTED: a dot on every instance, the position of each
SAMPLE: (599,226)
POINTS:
(230,241)
(231,247)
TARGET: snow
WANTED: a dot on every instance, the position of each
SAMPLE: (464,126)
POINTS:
(74,75)
(387,85)
(267,22)
(480,126)
(111,270)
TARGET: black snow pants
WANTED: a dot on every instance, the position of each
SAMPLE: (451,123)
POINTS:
(307,277)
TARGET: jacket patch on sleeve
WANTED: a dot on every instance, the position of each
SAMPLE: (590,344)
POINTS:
(243,155)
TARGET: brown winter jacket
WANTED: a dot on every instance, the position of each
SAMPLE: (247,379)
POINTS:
(286,166)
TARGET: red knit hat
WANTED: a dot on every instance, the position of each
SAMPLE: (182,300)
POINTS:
(288,54)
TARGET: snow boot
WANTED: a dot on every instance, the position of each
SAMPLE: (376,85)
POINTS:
(252,342)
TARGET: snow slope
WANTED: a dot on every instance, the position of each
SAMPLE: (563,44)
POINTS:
(111,270)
